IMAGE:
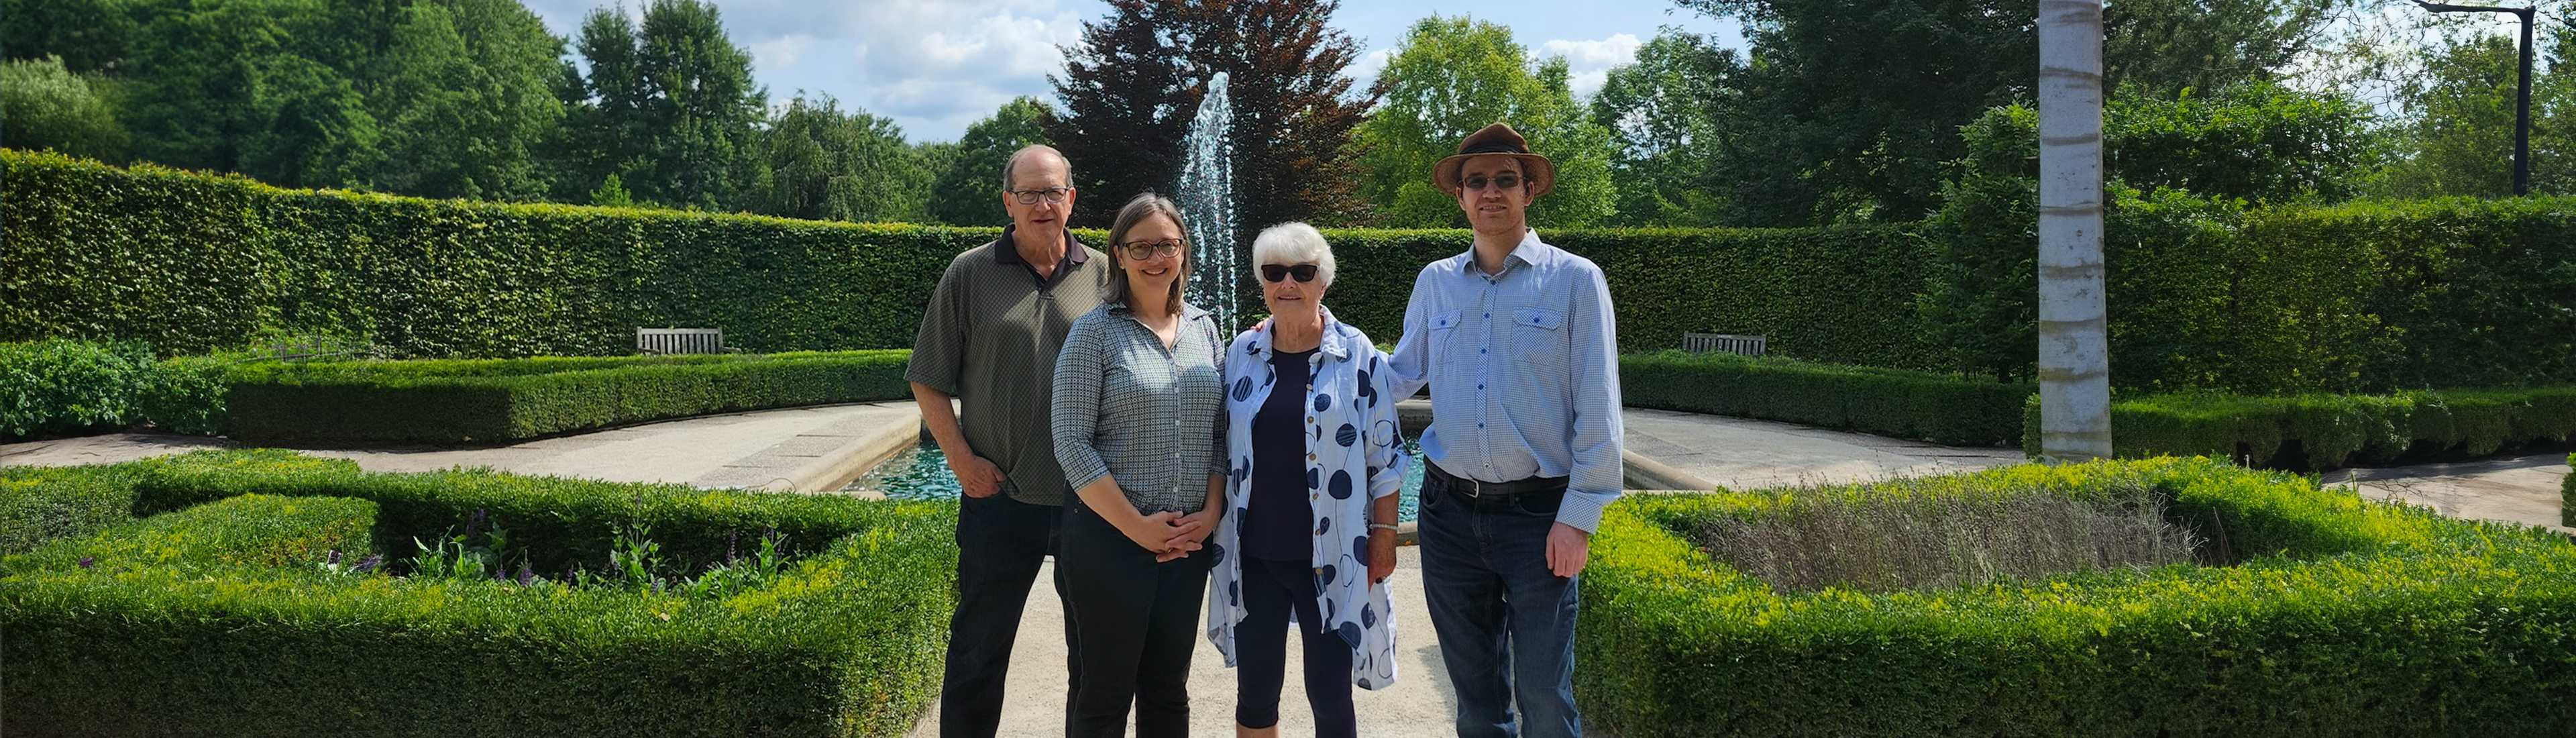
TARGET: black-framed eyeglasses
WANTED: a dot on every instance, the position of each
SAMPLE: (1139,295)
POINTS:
(1276,272)
(1053,195)
(1142,250)
(1475,183)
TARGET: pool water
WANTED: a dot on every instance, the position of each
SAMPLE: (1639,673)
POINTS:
(922,474)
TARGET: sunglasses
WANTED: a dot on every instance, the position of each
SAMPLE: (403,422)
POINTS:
(1276,272)
(1507,181)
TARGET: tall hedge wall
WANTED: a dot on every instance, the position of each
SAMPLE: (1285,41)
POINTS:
(189,263)
(2363,297)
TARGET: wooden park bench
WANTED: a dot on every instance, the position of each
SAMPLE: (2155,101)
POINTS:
(1702,343)
(680,340)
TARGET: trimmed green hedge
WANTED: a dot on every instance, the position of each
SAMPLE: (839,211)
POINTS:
(191,263)
(39,505)
(2357,297)
(498,400)
(1843,294)
(846,641)
(1887,402)
(2567,496)
(248,530)
(2315,432)
(2337,617)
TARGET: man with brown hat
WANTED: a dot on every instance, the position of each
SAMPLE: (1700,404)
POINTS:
(1517,341)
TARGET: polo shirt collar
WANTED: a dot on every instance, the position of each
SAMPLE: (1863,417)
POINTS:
(1007,251)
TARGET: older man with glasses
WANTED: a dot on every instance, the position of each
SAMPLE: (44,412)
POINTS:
(989,340)
(1517,341)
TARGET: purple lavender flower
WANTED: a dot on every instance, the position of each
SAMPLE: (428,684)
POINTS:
(730,536)
(527,576)
(474,521)
(368,564)
(87,562)
(335,557)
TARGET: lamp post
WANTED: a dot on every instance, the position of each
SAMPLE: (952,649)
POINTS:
(2522,94)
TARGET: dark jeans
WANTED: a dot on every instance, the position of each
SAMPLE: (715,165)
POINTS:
(1270,589)
(1506,623)
(1136,623)
(1000,543)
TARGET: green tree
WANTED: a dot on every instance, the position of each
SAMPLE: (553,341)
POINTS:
(45,106)
(826,164)
(2457,134)
(87,35)
(668,104)
(968,188)
(466,100)
(237,85)
(1452,76)
(1859,102)
(1674,135)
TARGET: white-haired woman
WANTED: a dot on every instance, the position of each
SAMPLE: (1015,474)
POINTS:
(1310,500)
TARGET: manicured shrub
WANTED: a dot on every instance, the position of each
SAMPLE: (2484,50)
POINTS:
(2314,432)
(490,401)
(845,641)
(2567,496)
(37,506)
(2317,613)
(248,530)
(63,387)
(1889,402)
(186,395)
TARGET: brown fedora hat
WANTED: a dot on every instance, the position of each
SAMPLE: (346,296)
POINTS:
(1496,139)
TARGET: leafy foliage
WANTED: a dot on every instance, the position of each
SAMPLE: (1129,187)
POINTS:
(1451,77)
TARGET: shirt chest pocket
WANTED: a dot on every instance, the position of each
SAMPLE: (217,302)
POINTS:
(1538,334)
(1444,330)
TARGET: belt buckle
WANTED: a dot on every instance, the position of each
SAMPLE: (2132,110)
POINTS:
(1475,489)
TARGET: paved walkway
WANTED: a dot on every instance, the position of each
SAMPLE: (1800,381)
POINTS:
(2522,489)
(809,449)
(1737,453)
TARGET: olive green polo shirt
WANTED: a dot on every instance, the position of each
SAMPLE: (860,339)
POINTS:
(989,337)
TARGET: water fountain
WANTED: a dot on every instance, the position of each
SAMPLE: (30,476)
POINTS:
(1207,197)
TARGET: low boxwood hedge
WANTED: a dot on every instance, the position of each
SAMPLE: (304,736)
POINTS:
(845,641)
(2567,495)
(1889,402)
(2337,617)
(248,530)
(2315,432)
(487,401)
(38,505)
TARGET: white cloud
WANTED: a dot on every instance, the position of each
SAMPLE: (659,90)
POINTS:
(934,66)
(1366,69)
(1588,62)
(779,53)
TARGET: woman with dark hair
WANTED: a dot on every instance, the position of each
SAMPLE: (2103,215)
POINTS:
(1138,420)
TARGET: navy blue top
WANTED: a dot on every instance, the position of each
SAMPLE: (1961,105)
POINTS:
(1275,528)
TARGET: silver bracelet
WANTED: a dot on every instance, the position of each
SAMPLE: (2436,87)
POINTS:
(1382,526)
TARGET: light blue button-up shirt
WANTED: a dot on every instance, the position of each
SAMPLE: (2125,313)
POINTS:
(1524,372)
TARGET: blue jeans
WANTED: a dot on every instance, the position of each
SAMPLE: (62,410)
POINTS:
(1506,623)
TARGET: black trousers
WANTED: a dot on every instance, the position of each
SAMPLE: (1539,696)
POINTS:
(1136,623)
(1000,544)
(1270,589)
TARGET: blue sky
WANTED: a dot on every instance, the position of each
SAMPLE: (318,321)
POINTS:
(935,66)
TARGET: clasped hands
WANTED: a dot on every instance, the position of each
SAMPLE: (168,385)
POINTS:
(1171,535)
